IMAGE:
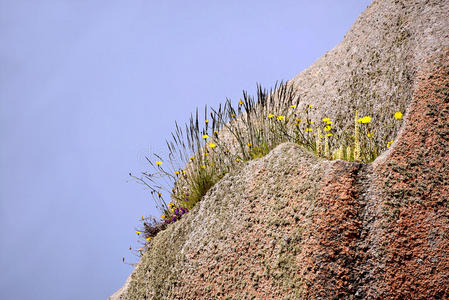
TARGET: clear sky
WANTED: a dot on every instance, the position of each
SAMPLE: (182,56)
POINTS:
(87,87)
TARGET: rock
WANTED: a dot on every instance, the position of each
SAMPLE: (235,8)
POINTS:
(324,229)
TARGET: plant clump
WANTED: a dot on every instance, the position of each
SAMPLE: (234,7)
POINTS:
(206,149)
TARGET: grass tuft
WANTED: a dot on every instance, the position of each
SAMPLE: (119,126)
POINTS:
(220,140)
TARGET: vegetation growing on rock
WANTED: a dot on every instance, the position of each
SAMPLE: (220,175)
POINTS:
(292,225)
(202,153)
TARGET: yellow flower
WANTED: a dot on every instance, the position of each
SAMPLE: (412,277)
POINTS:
(270,116)
(138,232)
(398,115)
(159,194)
(140,249)
(298,120)
(326,119)
(250,145)
(205,136)
(148,238)
(212,145)
(203,167)
(183,171)
(308,129)
(293,106)
(233,115)
(329,134)
(206,121)
(158,163)
(240,102)
(327,128)
(329,122)
(364,120)
(370,134)
(237,159)
(310,106)
(170,204)
(280,118)
(310,121)
(215,132)
(389,143)
(192,158)
(163,217)
(176,172)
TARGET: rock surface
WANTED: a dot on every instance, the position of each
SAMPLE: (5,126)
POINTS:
(294,226)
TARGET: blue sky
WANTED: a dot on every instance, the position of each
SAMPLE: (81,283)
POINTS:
(87,88)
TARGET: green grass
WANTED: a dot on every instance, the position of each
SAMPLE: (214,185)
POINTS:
(211,145)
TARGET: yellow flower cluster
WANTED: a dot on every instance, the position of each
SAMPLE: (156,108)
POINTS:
(314,134)
(364,120)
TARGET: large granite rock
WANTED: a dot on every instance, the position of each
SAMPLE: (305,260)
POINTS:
(294,226)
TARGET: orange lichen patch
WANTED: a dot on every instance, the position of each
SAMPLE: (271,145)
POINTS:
(330,255)
(415,183)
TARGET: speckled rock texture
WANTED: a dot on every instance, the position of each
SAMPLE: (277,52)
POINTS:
(294,226)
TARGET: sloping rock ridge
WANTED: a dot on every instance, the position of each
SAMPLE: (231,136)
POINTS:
(294,226)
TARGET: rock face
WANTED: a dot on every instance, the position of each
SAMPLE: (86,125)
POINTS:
(294,226)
